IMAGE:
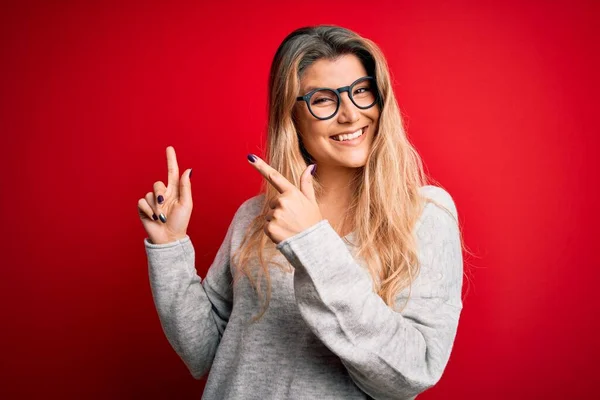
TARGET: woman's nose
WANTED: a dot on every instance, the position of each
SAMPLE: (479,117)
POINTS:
(348,112)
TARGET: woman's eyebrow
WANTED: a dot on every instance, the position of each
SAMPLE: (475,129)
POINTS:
(312,87)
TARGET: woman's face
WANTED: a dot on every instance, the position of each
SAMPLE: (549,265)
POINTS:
(317,135)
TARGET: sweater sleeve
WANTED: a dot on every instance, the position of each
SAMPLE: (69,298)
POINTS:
(388,354)
(193,312)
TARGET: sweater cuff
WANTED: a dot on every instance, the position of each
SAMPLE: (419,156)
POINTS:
(169,254)
(151,245)
(300,235)
(322,253)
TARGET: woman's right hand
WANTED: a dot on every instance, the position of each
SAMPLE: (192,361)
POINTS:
(167,220)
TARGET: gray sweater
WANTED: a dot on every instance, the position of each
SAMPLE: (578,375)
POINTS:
(326,334)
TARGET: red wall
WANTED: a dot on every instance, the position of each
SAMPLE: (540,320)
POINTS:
(500,99)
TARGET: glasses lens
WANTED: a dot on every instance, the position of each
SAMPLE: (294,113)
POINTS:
(323,103)
(363,93)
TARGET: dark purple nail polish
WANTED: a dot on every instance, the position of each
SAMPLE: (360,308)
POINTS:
(251,157)
(154,217)
(314,169)
(161,199)
(191,170)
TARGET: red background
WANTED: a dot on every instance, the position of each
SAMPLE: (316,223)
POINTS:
(500,99)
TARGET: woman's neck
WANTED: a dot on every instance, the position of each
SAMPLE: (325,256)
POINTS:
(337,185)
(336,196)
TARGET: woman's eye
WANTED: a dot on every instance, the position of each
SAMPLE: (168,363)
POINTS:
(321,100)
(361,90)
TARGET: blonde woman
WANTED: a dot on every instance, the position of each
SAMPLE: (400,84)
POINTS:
(337,282)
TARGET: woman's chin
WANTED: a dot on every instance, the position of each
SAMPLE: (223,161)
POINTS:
(355,163)
(358,161)
(352,160)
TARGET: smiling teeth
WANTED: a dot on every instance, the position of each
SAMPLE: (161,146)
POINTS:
(341,138)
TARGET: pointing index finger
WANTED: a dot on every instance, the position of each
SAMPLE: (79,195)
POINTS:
(173,169)
(273,176)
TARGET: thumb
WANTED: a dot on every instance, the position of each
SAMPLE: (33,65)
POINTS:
(185,188)
(306,182)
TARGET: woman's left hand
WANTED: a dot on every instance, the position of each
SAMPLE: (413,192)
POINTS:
(293,210)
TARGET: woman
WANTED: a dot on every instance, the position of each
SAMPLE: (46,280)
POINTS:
(342,282)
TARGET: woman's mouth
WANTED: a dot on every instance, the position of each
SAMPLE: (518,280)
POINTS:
(353,138)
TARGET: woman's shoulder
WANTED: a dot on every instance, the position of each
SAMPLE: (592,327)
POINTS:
(250,208)
(244,215)
(439,211)
(437,197)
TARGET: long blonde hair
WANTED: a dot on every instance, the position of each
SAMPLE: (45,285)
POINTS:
(386,204)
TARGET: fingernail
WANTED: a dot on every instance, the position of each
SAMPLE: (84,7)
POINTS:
(163,218)
(154,217)
(314,169)
(160,199)
(190,176)
(251,157)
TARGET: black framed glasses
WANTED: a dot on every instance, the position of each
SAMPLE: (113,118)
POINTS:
(324,103)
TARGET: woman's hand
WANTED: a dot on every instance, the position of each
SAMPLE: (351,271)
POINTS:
(294,210)
(166,212)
